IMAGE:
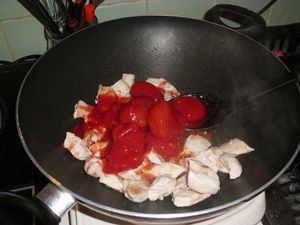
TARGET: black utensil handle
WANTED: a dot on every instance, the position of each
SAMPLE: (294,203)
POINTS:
(250,23)
(34,206)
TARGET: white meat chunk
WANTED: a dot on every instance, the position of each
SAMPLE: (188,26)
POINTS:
(155,158)
(104,90)
(136,190)
(235,147)
(161,187)
(202,179)
(170,91)
(184,197)
(184,162)
(218,153)
(195,165)
(128,78)
(121,88)
(90,137)
(181,182)
(76,146)
(94,135)
(130,175)
(82,110)
(232,164)
(112,181)
(216,150)
(195,144)
(209,159)
(167,168)
(98,148)
(93,167)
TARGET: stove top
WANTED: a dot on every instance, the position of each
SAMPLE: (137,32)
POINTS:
(12,156)
(17,172)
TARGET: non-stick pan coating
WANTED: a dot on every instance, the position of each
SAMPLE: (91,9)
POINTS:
(193,55)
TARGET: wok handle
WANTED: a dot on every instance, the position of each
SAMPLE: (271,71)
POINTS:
(31,205)
(48,205)
(58,201)
(250,23)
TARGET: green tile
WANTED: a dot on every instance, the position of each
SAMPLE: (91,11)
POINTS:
(285,12)
(121,10)
(25,37)
(4,55)
(188,8)
(11,9)
(111,2)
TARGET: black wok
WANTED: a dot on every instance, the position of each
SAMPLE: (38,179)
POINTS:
(195,56)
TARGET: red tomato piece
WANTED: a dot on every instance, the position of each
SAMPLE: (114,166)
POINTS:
(124,100)
(143,88)
(163,121)
(94,117)
(136,110)
(80,129)
(163,147)
(92,120)
(128,148)
(110,117)
(105,101)
(192,109)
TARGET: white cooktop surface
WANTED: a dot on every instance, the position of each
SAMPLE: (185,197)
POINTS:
(249,213)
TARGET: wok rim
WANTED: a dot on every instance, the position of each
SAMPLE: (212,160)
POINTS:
(167,216)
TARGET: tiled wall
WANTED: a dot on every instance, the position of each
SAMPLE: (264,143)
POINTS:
(21,34)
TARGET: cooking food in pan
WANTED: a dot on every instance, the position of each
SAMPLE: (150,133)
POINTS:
(196,57)
(134,141)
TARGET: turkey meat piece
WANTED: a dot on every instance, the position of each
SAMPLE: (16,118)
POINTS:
(235,147)
(76,146)
(112,181)
(211,158)
(93,167)
(170,91)
(136,190)
(166,168)
(155,158)
(161,187)
(82,110)
(202,179)
(185,197)
(129,78)
(232,164)
(194,144)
